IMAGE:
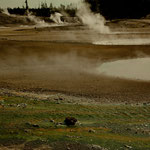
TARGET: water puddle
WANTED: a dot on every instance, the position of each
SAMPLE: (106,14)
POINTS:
(122,38)
(117,41)
(136,69)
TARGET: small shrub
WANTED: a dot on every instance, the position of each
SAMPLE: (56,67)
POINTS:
(70,121)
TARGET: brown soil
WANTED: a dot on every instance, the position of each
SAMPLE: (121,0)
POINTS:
(69,68)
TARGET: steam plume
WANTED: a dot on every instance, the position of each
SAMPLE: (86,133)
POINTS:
(95,22)
(5,11)
(37,21)
(56,17)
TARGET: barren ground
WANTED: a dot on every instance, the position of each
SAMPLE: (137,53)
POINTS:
(63,60)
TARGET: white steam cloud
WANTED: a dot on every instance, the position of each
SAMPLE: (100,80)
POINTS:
(94,21)
(38,21)
(5,11)
(56,17)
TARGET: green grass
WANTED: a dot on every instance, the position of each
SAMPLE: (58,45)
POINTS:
(115,125)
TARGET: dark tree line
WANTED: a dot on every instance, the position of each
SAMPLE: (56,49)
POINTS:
(44,10)
(110,9)
(118,9)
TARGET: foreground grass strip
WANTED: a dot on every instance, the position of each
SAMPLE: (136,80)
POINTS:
(111,126)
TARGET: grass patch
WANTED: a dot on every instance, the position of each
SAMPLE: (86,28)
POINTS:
(113,126)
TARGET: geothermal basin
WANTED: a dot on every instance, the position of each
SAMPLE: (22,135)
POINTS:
(66,59)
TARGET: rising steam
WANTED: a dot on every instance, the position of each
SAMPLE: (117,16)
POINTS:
(94,21)
(56,17)
(38,21)
(5,11)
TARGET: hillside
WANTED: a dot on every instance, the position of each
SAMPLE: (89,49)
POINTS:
(6,20)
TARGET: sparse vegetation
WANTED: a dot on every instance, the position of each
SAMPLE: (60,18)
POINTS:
(124,126)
